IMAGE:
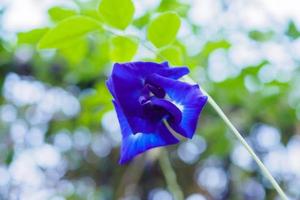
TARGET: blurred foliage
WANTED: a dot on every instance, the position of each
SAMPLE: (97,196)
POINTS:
(123,48)
(292,31)
(261,36)
(167,22)
(75,53)
(117,13)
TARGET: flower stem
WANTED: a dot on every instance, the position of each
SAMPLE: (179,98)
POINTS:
(263,168)
(170,175)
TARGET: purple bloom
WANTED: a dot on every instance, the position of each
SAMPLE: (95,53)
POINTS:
(144,94)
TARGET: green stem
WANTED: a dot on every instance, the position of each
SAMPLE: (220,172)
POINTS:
(263,168)
(170,175)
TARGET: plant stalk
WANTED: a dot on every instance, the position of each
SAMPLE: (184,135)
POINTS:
(170,175)
(263,168)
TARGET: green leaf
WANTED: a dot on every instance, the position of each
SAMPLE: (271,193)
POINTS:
(163,29)
(117,13)
(67,31)
(211,46)
(179,7)
(58,13)
(76,52)
(292,31)
(261,36)
(172,54)
(9,156)
(253,69)
(31,37)
(123,48)
(142,21)
(91,13)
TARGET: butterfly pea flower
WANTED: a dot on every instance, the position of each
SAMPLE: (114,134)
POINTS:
(145,96)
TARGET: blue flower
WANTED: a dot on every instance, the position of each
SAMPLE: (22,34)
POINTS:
(145,94)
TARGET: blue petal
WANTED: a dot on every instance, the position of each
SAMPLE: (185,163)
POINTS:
(126,89)
(140,142)
(174,73)
(138,69)
(175,113)
(134,144)
(188,98)
(127,93)
(125,128)
(139,124)
(125,71)
(165,64)
(144,69)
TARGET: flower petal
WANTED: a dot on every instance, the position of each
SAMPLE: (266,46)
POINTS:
(165,64)
(127,94)
(141,142)
(170,108)
(138,69)
(134,144)
(144,69)
(174,73)
(125,128)
(188,97)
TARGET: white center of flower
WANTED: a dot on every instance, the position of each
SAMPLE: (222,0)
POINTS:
(178,105)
